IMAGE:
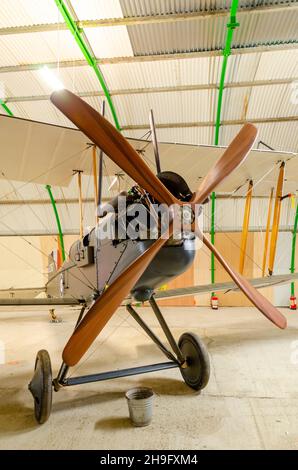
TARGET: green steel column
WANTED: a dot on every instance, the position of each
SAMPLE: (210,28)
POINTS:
(294,250)
(4,106)
(76,32)
(226,53)
(58,221)
(213,197)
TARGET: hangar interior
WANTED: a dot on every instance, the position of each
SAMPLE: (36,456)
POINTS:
(205,68)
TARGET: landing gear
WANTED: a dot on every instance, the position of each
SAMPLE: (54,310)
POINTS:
(189,355)
(41,386)
(197,371)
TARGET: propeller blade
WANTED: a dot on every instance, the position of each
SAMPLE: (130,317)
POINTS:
(265,307)
(233,156)
(106,305)
(113,144)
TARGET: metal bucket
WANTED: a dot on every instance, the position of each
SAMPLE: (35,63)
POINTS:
(140,405)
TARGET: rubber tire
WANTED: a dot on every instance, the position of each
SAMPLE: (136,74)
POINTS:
(43,388)
(197,374)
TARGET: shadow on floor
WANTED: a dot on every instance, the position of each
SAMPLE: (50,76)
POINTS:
(161,386)
(16,418)
(113,423)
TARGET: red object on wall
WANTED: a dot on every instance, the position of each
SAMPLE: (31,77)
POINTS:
(293,302)
(214,302)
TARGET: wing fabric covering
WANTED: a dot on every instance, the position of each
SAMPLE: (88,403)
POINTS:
(258,283)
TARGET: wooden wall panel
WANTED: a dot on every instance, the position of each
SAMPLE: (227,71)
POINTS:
(259,242)
(185,280)
(229,245)
(202,274)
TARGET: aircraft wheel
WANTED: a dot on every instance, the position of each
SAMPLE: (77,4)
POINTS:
(196,373)
(41,386)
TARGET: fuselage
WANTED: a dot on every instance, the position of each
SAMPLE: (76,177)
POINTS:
(100,257)
(101,262)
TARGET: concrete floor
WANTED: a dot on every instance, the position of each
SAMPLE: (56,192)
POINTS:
(251,401)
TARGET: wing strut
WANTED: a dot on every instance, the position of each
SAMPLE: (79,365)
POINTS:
(154,141)
(100,169)
(276,217)
(267,232)
(245,227)
(79,173)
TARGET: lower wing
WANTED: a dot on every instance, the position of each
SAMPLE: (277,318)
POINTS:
(259,283)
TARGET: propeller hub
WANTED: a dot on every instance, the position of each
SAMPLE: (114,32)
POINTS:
(187,214)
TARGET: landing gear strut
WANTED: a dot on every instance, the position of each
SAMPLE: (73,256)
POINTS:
(190,355)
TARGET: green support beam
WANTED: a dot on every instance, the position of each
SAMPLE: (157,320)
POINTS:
(294,250)
(213,197)
(226,53)
(49,189)
(91,59)
(6,108)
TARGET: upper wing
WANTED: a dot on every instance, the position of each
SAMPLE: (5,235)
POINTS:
(28,159)
(226,286)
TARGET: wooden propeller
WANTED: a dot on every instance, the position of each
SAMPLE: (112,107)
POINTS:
(232,157)
(112,142)
(106,137)
(104,307)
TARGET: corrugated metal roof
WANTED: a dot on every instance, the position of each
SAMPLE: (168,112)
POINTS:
(278,64)
(162,73)
(30,83)
(242,68)
(97,9)
(279,98)
(233,103)
(173,107)
(162,7)
(258,29)
(159,7)
(42,111)
(21,13)
(162,38)
(109,42)
(278,135)
(209,33)
(42,47)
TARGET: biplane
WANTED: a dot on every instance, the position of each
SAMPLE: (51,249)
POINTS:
(102,273)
